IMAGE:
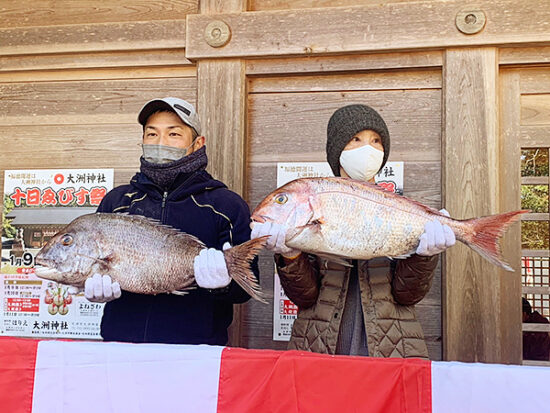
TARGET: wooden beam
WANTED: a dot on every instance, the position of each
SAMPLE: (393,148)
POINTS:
(327,64)
(536,363)
(479,304)
(122,73)
(28,13)
(85,102)
(535,80)
(535,180)
(341,30)
(524,55)
(118,59)
(535,109)
(535,253)
(535,290)
(221,104)
(534,136)
(74,38)
(304,4)
(536,216)
(535,327)
(398,80)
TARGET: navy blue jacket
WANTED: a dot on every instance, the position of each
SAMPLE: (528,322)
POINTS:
(198,205)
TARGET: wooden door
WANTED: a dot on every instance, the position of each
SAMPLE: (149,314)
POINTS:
(526,127)
(287,120)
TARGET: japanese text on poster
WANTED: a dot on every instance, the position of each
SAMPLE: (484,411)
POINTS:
(38,204)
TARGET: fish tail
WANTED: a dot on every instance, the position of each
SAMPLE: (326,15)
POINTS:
(482,234)
(238,260)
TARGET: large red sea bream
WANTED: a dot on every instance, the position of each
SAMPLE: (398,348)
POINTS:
(344,218)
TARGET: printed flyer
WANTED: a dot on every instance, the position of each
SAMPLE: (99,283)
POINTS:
(284,310)
(38,204)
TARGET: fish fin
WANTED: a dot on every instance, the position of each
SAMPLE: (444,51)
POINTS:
(313,223)
(292,233)
(103,262)
(316,216)
(238,260)
(482,235)
(334,258)
(402,256)
(110,258)
(183,291)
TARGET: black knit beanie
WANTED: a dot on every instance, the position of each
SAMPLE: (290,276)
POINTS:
(348,121)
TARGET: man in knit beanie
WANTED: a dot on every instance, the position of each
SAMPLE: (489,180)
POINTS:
(364,308)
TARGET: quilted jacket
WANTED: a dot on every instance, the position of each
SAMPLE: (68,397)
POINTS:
(389,290)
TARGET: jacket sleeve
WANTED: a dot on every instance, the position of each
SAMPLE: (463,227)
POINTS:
(106,203)
(114,199)
(412,278)
(299,279)
(236,231)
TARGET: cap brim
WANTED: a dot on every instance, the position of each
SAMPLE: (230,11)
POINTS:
(152,107)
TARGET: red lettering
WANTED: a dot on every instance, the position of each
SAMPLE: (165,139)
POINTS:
(65,196)
(33,196)
(17,196)
(387,185)
(96,194)
(48,197)
(81,196)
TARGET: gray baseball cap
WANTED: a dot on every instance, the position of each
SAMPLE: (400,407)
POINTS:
(185,110)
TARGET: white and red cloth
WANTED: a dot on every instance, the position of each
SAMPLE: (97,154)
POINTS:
(70,376)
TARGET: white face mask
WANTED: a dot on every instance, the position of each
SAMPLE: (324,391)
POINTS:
(161,154)
(362,163)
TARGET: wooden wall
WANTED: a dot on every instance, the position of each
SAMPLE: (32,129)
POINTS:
(70,93)
(73,76)
(287,122)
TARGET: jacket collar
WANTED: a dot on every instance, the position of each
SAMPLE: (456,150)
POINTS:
(186,185)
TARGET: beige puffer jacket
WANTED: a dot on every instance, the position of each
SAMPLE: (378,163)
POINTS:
(319,288)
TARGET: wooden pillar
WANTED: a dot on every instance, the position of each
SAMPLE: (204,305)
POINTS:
(221,104)
(480,300)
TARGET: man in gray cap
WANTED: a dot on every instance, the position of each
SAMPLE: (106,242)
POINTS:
(365,308)
(174,188)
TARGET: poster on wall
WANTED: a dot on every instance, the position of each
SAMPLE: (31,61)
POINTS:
(284,310)
(38,204)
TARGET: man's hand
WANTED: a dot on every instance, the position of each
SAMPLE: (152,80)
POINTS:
(101,289)
(276,241)
(436,238)
(210,268)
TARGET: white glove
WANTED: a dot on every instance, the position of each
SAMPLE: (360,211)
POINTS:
(71,289)
(436,238)
(276,241)
(211,269)
(101,289)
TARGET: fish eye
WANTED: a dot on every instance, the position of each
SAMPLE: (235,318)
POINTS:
(281,199)
(66,239)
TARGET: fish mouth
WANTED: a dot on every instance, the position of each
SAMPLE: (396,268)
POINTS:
(259,218)
(42,269)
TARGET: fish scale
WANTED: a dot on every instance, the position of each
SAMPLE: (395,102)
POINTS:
(375,230)
(141,254)
(345,218)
